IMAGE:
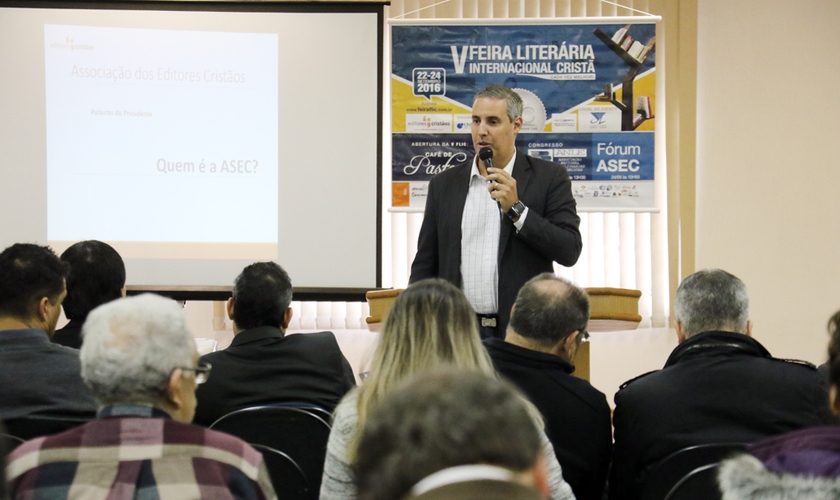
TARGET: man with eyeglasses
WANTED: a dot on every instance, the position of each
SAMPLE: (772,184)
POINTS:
(547,325)
(140,364)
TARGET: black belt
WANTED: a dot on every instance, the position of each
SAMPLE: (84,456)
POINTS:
(487,320)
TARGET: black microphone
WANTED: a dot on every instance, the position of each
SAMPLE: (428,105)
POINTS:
(485,154)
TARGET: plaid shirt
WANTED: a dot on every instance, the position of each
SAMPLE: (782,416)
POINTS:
(138,452)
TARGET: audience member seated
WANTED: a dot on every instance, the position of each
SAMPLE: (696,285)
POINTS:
(97,276)
(803,464)
(548,322)
(430,326)
(263,365)
(719,385)
(140,363)
(37,377)
(454,435)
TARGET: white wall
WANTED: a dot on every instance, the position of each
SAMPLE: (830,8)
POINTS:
(768,175)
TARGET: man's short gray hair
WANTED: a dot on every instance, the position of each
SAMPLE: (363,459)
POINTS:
(712,299)
(514,102)
(131,346)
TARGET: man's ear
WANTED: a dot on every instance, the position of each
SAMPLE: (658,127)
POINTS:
(748,332)
(569,342)
(230,309)
(512,310)
(43,311)
(287,318)
(172,394)
(517,124)
(680,332)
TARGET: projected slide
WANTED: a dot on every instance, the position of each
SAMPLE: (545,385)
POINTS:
(158,137)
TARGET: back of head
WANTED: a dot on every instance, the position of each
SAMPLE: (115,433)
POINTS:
(27,274)
(261,295)
(131,346)
(495,91)
(443,420)
(548,309)
(430,325)
(97,276)
(712,299)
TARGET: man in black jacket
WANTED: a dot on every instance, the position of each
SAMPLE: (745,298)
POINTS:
(263,365)
(547,325)
(718,386)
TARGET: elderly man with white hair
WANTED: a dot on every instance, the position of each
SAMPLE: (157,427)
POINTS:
(139,362)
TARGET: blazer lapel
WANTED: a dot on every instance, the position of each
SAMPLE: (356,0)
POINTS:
(454,199)
(522,175)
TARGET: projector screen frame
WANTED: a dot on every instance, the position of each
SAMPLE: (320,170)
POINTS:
(268,6)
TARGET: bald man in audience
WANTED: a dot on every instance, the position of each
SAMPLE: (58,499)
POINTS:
(548,323)
(37,377)
(718,386)
(263,365)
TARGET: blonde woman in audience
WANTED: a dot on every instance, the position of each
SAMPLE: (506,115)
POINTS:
(430,326)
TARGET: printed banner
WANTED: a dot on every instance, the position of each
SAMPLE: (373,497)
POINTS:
(589,103)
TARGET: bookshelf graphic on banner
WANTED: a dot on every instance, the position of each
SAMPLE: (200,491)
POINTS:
(633,53)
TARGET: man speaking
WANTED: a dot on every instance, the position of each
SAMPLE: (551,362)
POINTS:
(494,222)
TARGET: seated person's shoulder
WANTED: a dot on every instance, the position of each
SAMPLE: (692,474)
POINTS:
(208,438)
(325,338)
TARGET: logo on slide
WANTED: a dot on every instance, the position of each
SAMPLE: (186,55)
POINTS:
(71,45)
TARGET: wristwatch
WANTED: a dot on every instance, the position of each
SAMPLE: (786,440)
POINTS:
(516,210)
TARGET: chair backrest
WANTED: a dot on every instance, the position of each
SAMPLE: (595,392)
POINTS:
(699,484)
(33,426)
(8,443)
(296,432)
(288,479)
(325,415)
(673,468)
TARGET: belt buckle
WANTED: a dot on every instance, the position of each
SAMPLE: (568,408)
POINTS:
(490,322)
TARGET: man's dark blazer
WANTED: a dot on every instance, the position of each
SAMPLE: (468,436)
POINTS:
(577,416)
(716,387)
(264,366)
(550,233)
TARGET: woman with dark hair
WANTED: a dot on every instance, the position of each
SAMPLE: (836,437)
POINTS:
(804,464)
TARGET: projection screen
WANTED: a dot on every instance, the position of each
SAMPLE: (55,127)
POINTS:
(196,141)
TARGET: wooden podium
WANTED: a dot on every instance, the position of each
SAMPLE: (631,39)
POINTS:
(610,309)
